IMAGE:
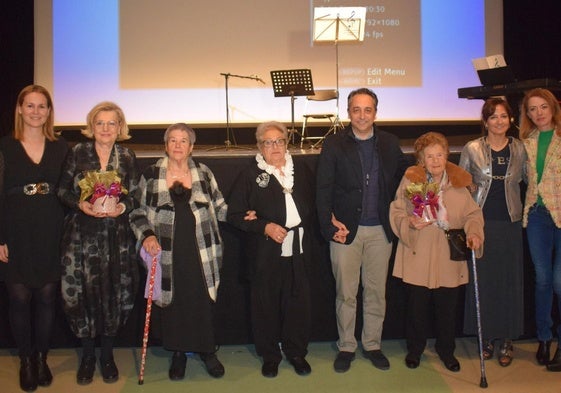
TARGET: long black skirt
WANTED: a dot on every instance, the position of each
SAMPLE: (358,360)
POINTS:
(501,283)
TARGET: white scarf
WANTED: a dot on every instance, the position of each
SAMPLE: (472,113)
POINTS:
(285,175)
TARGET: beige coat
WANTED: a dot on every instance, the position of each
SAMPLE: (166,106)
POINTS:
(423,256)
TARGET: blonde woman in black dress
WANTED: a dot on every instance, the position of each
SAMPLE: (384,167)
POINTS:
(31,216)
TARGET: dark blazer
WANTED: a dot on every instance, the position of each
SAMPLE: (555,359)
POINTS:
(269,204)
(340,180)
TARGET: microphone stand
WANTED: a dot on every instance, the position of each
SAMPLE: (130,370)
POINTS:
(227,142)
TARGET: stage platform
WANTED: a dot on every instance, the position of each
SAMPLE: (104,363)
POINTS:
(232,308)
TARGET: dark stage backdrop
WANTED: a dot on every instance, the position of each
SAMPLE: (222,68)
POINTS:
(232,311)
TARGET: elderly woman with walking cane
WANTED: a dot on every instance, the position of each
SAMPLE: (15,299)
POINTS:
(432,214)
(178,206)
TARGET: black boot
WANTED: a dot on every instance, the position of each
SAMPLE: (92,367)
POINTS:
(86,370)
(27,374)
(44,376)
(178,364)
(555,363)
(543,354)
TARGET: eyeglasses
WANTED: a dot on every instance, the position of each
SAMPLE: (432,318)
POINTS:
(268,143)
(110,124)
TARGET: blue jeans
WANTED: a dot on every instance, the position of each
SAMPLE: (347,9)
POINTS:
(544,240)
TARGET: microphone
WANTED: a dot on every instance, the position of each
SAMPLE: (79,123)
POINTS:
(256,77)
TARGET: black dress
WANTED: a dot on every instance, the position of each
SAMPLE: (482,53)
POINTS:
(31,224)
(186,324)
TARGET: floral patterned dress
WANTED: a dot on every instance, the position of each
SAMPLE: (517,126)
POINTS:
(100,272)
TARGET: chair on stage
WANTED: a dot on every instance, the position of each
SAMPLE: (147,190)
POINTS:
(320,95)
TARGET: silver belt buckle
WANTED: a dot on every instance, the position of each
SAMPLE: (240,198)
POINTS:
(36,188)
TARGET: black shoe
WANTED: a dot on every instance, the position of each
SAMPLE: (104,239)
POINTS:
(213,366)
(451,363)
(343,361)
(44,376)
(27,374)
(109,370)
(270,369)
(86,370)
(555,363)
(412,361)
(301,366)
(378,359)
(177,368)
(543,354)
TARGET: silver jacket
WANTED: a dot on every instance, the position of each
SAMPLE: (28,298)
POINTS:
(476,159)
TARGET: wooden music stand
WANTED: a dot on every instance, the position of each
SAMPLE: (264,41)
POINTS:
(292,83)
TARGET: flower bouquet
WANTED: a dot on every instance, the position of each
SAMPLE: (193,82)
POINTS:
(424,197)
(103,188)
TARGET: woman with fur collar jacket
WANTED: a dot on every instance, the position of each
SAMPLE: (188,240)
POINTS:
(423,258)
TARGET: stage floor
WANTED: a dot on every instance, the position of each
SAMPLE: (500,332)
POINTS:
(243,372)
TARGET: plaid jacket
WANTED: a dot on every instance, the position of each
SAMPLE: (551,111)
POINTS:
(550,185)
(154,214)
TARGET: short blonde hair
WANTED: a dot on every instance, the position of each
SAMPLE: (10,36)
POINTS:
(107,106)
(428,139)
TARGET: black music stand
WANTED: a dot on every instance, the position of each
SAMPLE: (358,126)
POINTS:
(291,83)
(339,24)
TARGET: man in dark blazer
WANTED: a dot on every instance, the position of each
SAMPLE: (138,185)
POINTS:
(359,170)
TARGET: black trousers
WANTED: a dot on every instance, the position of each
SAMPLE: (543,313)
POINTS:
(280,309)
(426,306)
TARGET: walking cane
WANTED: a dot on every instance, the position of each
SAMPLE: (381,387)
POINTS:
(147,318)
(483,381)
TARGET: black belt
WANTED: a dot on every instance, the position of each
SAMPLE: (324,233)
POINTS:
(41,188)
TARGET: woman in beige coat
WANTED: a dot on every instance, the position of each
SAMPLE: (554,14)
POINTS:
(432,198)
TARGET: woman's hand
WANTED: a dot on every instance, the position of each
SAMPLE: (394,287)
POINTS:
(473,242)
(87,208)
(151,245)
(417,222)
(341,235)
(4,253)
(118,211)
(275,232)
(250,215)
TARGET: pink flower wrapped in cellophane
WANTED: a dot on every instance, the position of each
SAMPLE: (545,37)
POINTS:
(103,188)
(424,197)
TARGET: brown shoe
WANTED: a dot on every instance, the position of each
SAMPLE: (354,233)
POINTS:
(505,353)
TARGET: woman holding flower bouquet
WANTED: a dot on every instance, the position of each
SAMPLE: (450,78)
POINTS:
(100,273)
(432,199)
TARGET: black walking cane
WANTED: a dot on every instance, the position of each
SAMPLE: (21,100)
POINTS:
(483,381)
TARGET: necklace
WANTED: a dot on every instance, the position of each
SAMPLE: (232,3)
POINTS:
(178,176)
(498,146)
(175,175)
